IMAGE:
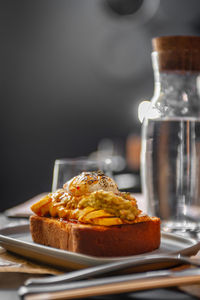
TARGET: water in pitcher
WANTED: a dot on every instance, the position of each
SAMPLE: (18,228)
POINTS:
(171,169)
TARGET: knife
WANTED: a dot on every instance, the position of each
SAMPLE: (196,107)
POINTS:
(157,260)
(111,285)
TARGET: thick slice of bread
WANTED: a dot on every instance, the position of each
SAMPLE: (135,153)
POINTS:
(117,240)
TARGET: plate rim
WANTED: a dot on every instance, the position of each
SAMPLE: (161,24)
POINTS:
(77,259)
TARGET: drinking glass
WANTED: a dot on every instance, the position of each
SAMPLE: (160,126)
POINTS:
(67,168)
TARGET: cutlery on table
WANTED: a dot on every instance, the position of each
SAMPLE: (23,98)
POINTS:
(111,285)
(113,266)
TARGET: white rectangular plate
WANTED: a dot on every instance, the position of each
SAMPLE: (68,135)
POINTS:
(17,239)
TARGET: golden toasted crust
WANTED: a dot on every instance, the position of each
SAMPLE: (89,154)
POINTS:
(121,240)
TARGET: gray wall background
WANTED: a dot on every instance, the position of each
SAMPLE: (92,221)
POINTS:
(73,72)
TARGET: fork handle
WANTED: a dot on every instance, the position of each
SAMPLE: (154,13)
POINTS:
(111,267)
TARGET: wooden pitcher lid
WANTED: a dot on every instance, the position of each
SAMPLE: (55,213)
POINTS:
(177,52)
(166,43)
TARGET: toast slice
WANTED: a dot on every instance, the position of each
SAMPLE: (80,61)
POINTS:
(97,240)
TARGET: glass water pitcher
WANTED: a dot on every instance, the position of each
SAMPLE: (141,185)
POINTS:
(170,156)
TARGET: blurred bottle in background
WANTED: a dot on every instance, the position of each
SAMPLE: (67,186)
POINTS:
(171,134)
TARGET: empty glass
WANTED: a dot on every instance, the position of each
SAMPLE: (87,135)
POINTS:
(66,168)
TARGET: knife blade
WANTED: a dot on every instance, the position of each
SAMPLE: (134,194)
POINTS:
(107,282)
(155,260)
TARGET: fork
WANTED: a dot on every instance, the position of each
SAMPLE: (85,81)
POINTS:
(114,266)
